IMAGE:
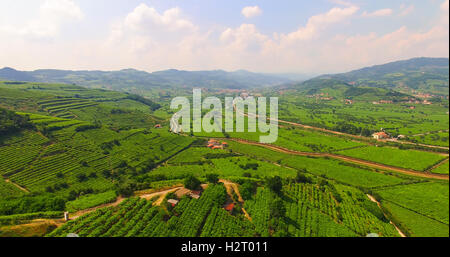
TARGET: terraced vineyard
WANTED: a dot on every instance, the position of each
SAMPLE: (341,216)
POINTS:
(74,160)
(62,107)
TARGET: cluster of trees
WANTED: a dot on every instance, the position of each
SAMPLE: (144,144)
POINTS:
(253,166)
(352,129)
(87,127)
(12,122)
(247,189)
(191,182)
(29,204)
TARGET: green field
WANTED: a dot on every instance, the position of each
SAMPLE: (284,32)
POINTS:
(409,159)
(442,169)
(416,224)
(428,199)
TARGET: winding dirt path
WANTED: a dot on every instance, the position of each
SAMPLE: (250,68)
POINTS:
(231,186)
(16,185)
(77,214)
(161,194)
(346,159)
(371,198)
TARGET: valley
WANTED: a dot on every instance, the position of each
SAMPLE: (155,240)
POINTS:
(107,157)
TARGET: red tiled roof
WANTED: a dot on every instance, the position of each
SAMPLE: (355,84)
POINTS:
(229,207)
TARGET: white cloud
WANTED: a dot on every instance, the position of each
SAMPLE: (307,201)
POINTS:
(246,38)
(251,11)
(378,13)
(145,18)
(145,28)
(319,22)
(52,15)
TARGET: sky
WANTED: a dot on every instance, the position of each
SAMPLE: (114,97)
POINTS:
(283,36)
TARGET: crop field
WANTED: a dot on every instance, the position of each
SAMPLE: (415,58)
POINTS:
(332,169)
(429,199)
(310,212)
(304,140)
(442,169)
(137,217)
(198,154)
(9,190)
(440,139)
(410,159)
(416,224)
(74,160)
(395,118)
(62,107)
(88,201)
(19,150)
(225,166)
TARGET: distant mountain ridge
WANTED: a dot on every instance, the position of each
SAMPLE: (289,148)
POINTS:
(422,64)
(141,79)
(426,75)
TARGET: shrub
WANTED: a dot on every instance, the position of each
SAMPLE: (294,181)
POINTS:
(212,178)
(191,182)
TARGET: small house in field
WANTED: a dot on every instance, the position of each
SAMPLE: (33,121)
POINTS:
(380,135)
(214,144)
(229,207)
(173,202)
(158,126)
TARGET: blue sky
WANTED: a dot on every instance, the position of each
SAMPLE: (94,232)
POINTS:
(298,36)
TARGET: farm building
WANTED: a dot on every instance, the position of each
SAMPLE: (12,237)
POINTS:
(229,207)
(380,135)
(158,126)
(173,202)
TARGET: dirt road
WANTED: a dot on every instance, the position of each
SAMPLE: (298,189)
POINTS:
(161,194)
(16,185)
(231,186)
(371,198)
(77,214)
(346,159)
